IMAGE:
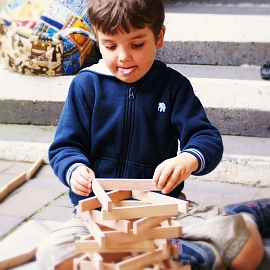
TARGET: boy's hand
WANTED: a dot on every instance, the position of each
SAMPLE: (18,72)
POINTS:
(171,172)
(81,181)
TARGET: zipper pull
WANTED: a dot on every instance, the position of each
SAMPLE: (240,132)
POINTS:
(131,94)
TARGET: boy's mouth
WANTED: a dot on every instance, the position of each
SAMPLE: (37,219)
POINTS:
(126,70)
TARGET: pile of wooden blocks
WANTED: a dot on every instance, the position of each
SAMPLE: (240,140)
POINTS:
(131,229)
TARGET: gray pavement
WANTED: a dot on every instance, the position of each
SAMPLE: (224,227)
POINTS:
(41,204)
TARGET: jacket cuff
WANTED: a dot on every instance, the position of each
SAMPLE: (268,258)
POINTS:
(199,156)
(71,170)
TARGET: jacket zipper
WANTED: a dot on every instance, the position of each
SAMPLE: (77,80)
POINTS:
(127,133)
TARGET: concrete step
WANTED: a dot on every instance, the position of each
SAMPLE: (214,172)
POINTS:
(246,160)
(236,99)
(216,33)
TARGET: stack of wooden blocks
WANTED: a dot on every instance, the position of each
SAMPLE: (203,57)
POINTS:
(131,229)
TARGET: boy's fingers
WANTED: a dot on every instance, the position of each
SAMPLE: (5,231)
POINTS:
(81,186)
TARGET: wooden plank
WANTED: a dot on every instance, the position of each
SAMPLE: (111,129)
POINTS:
(113,257)
(96,232)
(142,260)
(126,184)
(146,223)
(11,185)
(149,234)
(34,168)
(140,211)
(18,259)
(97,260)
(129,203)
(76,261)
(163,244)
(120,225)
(170,264)
(93,202)
(102,196)
(93,246)
(154,197)
(87,265)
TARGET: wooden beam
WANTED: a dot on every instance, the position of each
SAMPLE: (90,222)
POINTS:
(129,212)
(126,184)
(93,246)
(120,225)
(154,197)
(11,185)
(103,197)
(96,232)
(142,224)
(97,260)
(163,232)
(93,202)
(142,260)
(34,168)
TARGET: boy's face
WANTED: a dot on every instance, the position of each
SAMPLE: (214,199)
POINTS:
(129,56)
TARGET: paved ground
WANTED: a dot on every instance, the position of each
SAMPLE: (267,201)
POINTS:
(41,204)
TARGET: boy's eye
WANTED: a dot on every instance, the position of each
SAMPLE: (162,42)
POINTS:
(110,47)
(137,45)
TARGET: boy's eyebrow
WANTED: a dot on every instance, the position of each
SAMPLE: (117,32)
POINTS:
(135,37)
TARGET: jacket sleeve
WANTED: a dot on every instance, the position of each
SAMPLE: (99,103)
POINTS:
(197,135)
(72,142)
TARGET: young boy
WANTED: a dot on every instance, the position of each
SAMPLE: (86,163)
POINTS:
(123,118)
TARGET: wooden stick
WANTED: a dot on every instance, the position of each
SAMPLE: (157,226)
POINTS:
(103,197)
(19,180)
(141,261)
(34,168)
(163,232)
(129,212)
(153,197)
(142,224)
(18,260)
(97,260)
(93,202)
(126,184)
(120,225)
(93,246)
(11,185)
(96,232)
(76,261)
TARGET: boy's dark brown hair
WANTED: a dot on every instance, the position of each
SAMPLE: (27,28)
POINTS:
(109,16)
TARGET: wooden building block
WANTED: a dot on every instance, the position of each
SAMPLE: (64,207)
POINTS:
(96,232)
(34,168)
(141,261)
(126,184)
(142,224)
(97,260)
(93,202)
(129,234)
(156,198)
(103,197)
(140,211)
(18,259)
(11,185)
(120,225)
(93,246)
(19,180)
(161,232)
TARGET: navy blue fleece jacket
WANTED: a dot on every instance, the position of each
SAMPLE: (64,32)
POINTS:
(125,132)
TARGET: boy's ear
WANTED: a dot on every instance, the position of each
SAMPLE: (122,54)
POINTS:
(160,38)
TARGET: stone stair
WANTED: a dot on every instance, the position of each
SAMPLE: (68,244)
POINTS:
(219,46)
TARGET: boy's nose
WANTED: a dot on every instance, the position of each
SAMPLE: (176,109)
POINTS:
(123,55)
